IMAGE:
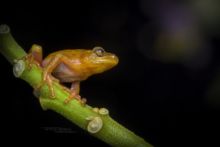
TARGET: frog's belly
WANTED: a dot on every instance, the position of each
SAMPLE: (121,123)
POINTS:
(65,74)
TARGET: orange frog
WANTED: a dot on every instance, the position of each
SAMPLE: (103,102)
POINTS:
(73,66)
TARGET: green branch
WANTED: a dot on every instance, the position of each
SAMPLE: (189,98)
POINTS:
(95,121)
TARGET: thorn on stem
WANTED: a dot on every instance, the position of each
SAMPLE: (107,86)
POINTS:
(94,125)
(103,111)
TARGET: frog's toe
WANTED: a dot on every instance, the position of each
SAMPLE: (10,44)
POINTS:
(48,80)
(83,101)
(45,76)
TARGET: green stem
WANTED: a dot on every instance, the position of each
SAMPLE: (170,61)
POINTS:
(98,123)
(8,46)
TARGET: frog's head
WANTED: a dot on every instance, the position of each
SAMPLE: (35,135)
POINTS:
(99,60)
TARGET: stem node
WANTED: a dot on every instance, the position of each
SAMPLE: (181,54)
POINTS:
(4,29)
(18,68)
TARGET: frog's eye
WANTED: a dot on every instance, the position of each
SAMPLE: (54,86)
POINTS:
(99,51)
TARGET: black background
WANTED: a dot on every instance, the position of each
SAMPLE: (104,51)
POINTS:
(162,102)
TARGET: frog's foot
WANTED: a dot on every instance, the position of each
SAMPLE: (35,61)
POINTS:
(73,95)
(48,80)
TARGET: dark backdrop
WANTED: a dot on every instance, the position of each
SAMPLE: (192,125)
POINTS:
(165,100)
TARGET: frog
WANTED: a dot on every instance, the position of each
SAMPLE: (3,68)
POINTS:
(72,66)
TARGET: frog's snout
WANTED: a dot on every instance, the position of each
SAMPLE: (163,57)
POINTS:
(115,59)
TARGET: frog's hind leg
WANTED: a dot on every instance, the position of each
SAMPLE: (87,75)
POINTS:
(37,53)
(74,92)
(34,55)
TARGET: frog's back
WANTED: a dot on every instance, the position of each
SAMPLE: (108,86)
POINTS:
(69,53)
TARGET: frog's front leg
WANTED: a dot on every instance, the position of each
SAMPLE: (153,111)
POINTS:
(50,67)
